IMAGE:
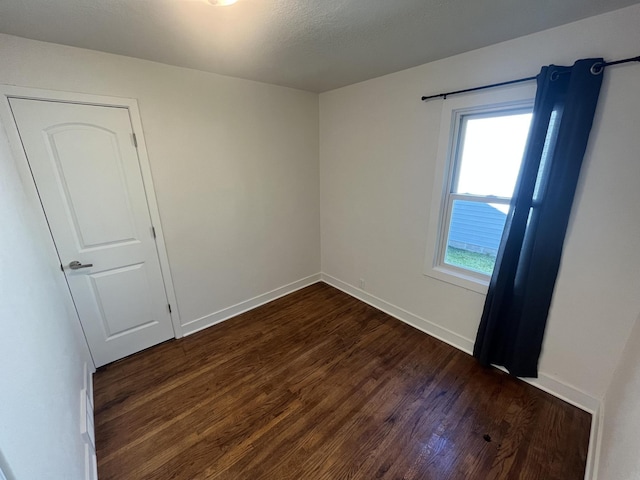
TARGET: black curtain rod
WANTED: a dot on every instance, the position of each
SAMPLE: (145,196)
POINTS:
(526,79)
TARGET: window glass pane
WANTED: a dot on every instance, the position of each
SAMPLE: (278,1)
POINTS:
(545,161)
(491,153)
(475,231)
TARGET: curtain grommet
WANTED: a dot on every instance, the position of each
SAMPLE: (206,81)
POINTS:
(597,68)
(555,75)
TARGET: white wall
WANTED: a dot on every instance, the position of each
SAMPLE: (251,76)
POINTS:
(378,145)
(234,164)
(620,442)
(235,167)
(42,350)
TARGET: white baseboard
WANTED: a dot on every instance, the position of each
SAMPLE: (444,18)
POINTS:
(90,462)
(226,313)
(87,427)
(447,336)
(545,382)
(595,443)
(565,391)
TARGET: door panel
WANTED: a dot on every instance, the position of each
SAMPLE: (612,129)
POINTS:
(86,169)
(86,200)
(110,293)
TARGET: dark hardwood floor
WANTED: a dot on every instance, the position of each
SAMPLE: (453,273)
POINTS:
(318,385)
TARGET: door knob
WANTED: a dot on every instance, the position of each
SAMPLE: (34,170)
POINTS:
(75,265)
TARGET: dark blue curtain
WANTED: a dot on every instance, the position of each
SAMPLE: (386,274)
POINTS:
(515,310)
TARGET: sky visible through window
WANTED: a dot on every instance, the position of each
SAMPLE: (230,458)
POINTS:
(491,154)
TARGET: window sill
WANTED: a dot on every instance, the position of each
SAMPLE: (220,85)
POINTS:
(455,277)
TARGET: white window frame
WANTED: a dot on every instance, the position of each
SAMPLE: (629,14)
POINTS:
(510,98)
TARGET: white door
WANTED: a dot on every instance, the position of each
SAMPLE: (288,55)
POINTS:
(85,166)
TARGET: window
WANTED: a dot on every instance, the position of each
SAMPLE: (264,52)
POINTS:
(479,158)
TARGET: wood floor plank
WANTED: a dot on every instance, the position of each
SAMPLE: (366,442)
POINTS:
(318,385)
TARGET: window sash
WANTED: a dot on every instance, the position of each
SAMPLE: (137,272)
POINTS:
(446,224)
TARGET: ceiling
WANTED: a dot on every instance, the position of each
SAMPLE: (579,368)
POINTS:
(314,45)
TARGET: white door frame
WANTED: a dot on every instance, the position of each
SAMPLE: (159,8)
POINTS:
(22,164)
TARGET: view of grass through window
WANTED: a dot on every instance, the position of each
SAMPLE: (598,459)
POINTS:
(485,173)
(479,262)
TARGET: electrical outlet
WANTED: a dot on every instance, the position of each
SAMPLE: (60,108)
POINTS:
(362,284)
